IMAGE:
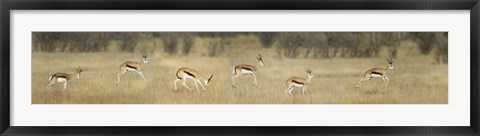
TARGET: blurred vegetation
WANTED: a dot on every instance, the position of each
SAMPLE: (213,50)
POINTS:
(286,44)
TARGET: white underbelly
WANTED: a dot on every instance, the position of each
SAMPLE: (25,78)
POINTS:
(188,77)
(246,72)
(61,80)
(297,85)
(130,69)
(376,75)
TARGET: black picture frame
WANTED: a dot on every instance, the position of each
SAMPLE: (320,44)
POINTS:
(5,60)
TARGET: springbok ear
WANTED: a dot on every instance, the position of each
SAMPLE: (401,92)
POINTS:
(144,53)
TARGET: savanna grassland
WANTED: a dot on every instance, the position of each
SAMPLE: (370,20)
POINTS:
(416,79)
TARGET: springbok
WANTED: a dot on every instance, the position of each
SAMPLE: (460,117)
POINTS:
(299,82)
(131,66)
(245,69)
(378,73)
(189,73)
(63,78)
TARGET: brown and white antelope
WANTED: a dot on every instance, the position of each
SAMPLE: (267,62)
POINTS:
(245,69)
(189,73)
(378,73)
(63,78)
(299,82)
(131,66)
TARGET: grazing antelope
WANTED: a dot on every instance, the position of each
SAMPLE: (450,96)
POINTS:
(378,73)
(63,78)
(131,66)
(244,69)
(189,73)
(299,82)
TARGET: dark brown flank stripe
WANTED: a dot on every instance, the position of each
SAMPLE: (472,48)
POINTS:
(297,82)
(190,74)
(247,68)
(131,67)
(373,72)
(62,77)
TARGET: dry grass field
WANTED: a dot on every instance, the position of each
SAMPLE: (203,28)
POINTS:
(416,80)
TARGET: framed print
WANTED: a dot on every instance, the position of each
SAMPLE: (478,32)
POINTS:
(240,67)
(223,55)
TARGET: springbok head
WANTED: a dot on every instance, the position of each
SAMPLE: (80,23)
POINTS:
(390,63)
(79,72)
(309,72)
(208,81)
(260,59)
(144,55)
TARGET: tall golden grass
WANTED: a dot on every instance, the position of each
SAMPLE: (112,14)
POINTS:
(416,80)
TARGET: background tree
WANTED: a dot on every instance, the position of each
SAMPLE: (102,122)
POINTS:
(187,42)
(217,46)
(267,38)
(287,44)
(170,41)
(426,41)
(128,40)
(291,43)
(441,49)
